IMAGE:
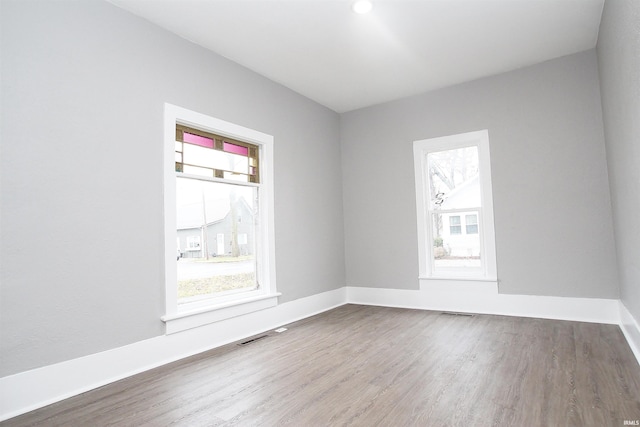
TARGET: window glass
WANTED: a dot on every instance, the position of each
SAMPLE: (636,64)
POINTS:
(453,178)
(233,148)
(452,248)
(220,256)
(218,211)
(209,155)
(454,185)
(197,140)
(193,243)
(454,225)
(471,224)
(216,222)
(454,207)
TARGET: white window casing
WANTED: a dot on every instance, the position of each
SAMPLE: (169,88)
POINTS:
(485,223)
(180,317)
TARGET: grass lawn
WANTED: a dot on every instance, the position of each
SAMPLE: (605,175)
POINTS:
(217,259)
(210,285)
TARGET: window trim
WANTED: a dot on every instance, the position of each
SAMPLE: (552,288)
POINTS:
(421,148)
(216,309)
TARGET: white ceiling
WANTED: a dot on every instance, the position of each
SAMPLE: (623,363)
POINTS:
(322,50)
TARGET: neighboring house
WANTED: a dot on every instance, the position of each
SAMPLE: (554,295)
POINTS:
(459,230)
(195,240)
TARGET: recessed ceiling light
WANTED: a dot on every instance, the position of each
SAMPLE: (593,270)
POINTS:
(362,6)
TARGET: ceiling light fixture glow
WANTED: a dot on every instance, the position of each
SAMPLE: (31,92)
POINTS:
(362,6)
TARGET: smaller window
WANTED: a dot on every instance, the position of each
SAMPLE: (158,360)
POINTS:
(193,243)
(454,207)
(471,222)
(454,225)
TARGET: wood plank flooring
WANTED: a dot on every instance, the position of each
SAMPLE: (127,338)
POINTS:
(375,366)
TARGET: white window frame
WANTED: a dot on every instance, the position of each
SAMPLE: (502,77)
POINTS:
(466,224)
(193,239)
(459,224)
(186,316)
(486,230)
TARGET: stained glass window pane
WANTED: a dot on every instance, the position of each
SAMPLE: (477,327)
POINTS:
(198,140)
(195,170)
(222,159)
(200,156)
(231,176)
(237,149)
(235,163)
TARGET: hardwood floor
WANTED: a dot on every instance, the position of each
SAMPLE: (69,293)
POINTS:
(375,366)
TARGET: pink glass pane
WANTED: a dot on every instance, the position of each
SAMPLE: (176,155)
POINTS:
(198,140)
(236,149)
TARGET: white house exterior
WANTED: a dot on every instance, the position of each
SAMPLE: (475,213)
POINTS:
(460,231)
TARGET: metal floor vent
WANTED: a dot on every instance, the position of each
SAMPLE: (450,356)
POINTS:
(451,313)
(252,340)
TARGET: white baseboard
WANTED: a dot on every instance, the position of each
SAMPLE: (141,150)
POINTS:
(26,391)
(29,390)
(631,330)
(483,302)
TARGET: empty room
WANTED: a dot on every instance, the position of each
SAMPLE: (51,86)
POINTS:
(319,212)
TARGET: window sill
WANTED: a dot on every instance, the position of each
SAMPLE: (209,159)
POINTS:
(184,320)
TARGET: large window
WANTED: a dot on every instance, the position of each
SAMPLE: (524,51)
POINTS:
(455,207)
(219,213)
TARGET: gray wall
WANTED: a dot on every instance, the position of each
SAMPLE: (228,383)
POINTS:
(619,64)
(551,196)
(83,87)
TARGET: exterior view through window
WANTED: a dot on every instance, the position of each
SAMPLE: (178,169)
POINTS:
(454,203)
(455,207)
(217,191)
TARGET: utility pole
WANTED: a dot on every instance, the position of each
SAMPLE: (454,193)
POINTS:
(205,244)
